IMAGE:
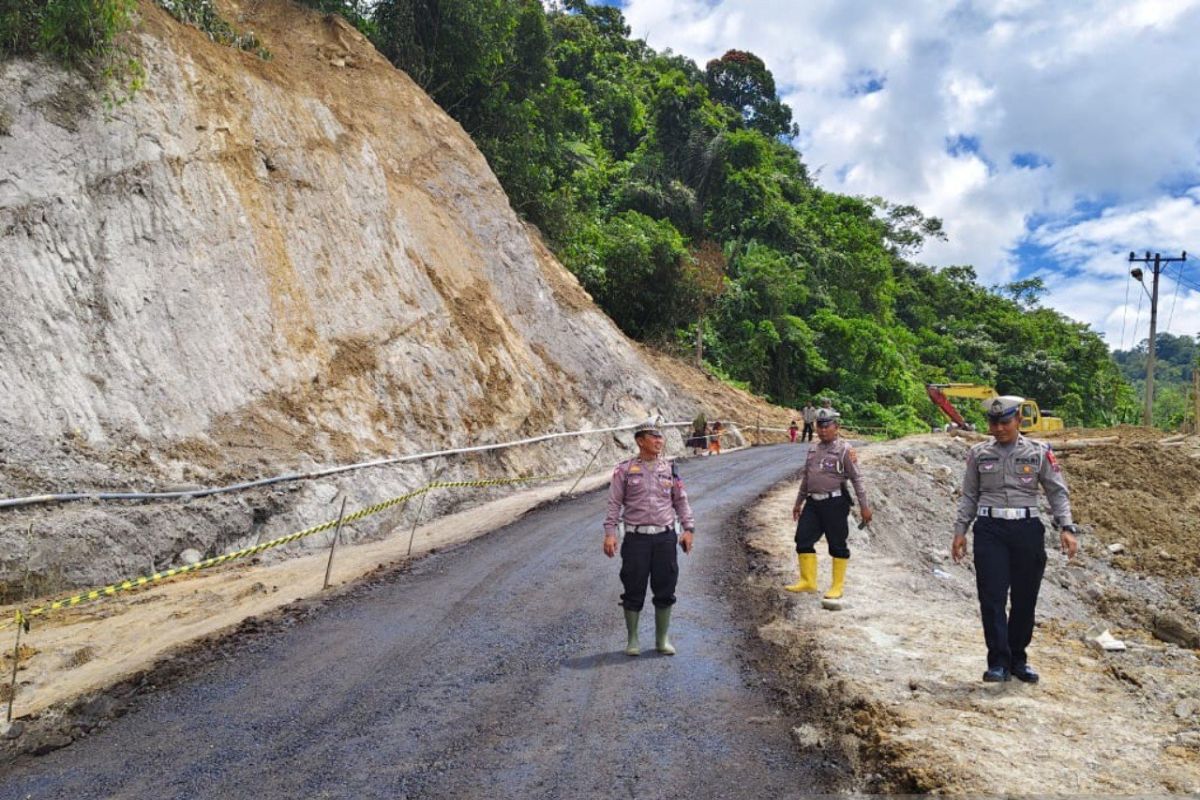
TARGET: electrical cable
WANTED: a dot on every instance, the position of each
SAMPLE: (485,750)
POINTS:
(1175,299)
(1188,283)
(1137,319)
(1125,309)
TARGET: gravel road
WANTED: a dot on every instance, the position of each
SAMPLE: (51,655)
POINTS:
(493,670)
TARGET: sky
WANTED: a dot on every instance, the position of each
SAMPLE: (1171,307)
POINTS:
(1052,138)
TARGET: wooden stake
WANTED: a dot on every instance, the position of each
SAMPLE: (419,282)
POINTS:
(585,469)
(12,686)
(333,545)
(437,474)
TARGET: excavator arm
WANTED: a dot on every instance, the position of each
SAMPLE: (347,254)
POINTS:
(943,402)
(940,394)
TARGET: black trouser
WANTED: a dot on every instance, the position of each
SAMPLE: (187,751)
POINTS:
(807,433)
(1009,554)
(828,517)
(649,556)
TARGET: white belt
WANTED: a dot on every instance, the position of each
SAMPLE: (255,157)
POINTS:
(826,495)
(995,512)
(648,528)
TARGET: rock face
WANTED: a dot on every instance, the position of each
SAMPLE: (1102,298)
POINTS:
(266,264)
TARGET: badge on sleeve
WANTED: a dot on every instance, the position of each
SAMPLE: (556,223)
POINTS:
(1053,461)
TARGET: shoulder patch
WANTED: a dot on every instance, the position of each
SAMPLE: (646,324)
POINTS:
(1053,461)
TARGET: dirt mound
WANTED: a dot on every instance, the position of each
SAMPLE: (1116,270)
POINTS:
(1143,495)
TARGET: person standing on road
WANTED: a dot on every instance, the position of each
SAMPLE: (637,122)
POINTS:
(823,505)
(810,416)
(1000,494)
(647,495)
(792,430)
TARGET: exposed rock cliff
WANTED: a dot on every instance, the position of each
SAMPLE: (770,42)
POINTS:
(258,265)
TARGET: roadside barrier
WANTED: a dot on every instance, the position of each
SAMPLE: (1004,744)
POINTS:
(191,494)
(114,589)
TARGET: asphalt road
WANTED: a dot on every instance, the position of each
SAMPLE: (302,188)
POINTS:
(493,670)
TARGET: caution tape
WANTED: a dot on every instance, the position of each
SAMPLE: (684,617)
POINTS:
(113,589)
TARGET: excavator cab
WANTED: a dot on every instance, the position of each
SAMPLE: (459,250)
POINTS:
(1029,416)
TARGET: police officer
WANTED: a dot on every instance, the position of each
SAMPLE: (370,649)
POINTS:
(1000,494)
(823,504)
(647,495)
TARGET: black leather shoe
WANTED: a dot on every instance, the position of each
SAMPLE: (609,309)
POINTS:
(996,675)
(1025,674)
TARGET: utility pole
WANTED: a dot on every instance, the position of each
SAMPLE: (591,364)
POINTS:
(1157,263)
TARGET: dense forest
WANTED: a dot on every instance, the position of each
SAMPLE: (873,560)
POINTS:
(1176,358)
(675,194)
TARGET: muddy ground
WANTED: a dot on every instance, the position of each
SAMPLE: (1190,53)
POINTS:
(898,669)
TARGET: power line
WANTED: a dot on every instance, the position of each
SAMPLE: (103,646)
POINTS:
(1137,320)
(1125,309)
(1186,282)
(1175,299)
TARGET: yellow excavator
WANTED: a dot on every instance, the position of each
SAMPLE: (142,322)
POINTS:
(1032,417)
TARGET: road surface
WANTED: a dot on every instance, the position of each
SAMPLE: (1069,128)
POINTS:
(494,670)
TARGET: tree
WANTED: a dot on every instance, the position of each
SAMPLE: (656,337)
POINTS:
(741,81)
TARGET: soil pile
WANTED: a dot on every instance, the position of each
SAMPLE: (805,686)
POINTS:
(896,674)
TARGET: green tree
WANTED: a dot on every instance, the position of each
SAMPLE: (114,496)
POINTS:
(741,81)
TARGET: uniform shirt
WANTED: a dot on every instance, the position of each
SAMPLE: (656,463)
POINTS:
(1008,477)
(649,493)
(827,467)
(810,414)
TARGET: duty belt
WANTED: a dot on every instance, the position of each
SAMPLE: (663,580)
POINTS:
(649,528)
(995,512)
(826,495)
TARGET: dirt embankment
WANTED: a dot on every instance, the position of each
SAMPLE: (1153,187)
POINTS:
(896,674)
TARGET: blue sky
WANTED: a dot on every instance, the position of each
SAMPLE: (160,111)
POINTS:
(1051,138)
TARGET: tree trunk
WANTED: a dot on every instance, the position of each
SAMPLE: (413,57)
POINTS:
(700,341)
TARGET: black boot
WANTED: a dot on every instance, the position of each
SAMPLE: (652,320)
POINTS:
(1025,673)
(996,675)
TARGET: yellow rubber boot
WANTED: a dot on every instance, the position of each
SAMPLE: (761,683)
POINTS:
(839,579)
(808,573)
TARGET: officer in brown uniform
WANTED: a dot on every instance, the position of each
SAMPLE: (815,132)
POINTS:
(823,504)
(1000,495)
(647,496)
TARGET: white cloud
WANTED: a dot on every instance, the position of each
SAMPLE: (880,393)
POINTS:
(1100,91)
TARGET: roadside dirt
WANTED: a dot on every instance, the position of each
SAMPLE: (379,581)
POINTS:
(897,672)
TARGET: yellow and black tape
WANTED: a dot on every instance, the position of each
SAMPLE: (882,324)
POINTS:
(23,618)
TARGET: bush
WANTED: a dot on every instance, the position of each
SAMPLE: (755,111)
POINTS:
(74,32)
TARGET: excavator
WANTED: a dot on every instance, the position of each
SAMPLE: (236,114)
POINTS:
(1032,417)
